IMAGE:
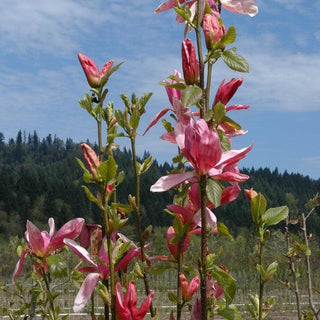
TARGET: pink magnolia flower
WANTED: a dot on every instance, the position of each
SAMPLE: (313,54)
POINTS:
(126,305)
(213,31)
(188,288)
(99,269)
(224,94)
(190,64)
(247,7)
(191,4)
(43,244)
(92,72)
(201,146)
(196,310)
(174,247)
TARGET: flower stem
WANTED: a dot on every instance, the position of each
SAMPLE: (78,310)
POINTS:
(138,221)
(261,282)
(49,294)
(204,249)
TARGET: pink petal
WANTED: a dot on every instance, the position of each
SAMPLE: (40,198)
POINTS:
(232,176)
(237,107)
(230,194)
(156,119)
(85,291)
(145,306)
(19,266)
(210,217)
(233,156)
(52,227)
(169,136)
(168,5)
(35,239)
(69,230)
(79,251)
(121,309)
(241,6)
(165,183)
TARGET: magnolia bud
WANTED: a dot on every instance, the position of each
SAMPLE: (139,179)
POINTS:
(190,64)
(213,31)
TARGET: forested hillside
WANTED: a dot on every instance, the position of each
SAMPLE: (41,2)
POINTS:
(40,178)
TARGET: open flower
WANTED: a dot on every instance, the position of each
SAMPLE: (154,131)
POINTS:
(201,147)
(126,305)
(247,7)
(43,244)
(92,72)
(188,288)
(98,269)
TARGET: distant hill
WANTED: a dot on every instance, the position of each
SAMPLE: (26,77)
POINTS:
(40,178)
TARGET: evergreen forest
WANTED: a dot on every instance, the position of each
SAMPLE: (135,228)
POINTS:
(40,178)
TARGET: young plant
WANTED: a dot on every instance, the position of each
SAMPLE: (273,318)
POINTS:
(263,218)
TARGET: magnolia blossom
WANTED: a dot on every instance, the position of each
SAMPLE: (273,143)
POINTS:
(92,72)
(99,269)
(213,31)
(174,247)
(247,7)
(43,244)
(190,64)
(188,288)
(201,147)
(126,305)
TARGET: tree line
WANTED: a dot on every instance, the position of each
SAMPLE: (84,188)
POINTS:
(40,178)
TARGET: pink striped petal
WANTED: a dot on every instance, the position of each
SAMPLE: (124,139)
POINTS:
(79,251)
(156,119)
(165,183)
(247,7)
(19,266)
(85,291)
(69,230)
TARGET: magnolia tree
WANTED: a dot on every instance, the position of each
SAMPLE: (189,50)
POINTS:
(205,176)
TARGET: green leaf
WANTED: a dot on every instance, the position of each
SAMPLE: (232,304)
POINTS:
(258,208)
(214,192)
(86,104)
(232,122)
(57,266)
(147,163)
(135,119)
(125,100)
(234,61)
(179,86)
(227,283)
(223,230)
(119,250)
(274,215)
(271,270)
(89,195)
(108,170)
(219,112)
(191,96)
(120,118)
(172,297)
(230,36)
(230,312)
(105,78)
(225,143)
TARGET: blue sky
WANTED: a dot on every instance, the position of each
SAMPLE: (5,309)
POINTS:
(41,79)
